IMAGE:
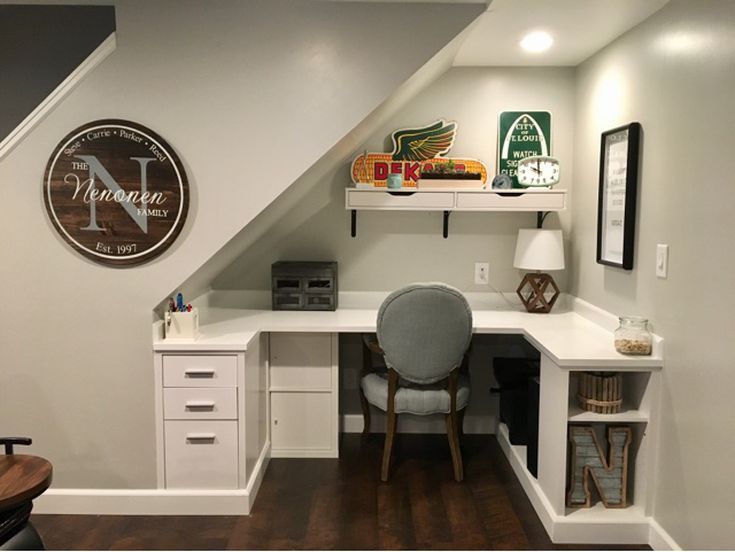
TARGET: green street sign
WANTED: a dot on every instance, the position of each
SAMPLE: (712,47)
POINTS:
(522,134)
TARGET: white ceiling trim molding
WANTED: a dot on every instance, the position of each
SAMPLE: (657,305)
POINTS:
(59,93)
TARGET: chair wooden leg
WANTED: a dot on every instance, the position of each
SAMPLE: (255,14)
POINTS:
(453,425)
(365,413)
(452,437)
(390,423)
(367,367)
(390,432)
(460,428)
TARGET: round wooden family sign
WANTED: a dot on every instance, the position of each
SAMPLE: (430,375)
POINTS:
(116,192)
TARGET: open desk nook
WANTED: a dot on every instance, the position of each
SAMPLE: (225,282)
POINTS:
(284,369)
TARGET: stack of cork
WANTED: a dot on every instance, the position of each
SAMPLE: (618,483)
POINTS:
(600,392)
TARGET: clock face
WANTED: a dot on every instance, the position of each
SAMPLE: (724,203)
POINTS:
(538,170)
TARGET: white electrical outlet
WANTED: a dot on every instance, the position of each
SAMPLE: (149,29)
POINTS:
(482,273)
(662,260)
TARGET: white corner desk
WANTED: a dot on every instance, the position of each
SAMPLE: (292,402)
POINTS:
(258,384)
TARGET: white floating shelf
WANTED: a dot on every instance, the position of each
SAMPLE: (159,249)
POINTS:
(455,199)
(448,200)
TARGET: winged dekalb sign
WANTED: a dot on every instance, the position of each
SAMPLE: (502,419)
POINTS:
(116,192)
(414,150)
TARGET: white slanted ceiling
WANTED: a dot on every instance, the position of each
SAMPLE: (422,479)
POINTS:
(579,29)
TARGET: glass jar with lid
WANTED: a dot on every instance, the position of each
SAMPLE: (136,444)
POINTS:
(633,336)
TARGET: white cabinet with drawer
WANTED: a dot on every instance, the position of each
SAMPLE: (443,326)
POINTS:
(398,200)
(204,439)
(528,200)
(304,410)
(200,420)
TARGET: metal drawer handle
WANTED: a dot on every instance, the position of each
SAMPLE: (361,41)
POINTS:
(199,373)
(199,405)
(200,437)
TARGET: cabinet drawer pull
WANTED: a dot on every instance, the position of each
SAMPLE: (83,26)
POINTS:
(200,437)
(199,405)
(199,372)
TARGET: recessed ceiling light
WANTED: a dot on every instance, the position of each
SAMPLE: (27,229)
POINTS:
(537,41)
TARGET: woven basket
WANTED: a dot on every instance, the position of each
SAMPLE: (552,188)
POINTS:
(600,392)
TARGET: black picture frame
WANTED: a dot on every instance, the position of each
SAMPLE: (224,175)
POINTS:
(617,193)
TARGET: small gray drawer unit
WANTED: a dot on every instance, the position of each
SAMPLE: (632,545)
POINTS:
(298,285)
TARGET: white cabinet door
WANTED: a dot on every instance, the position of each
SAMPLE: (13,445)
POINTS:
(302,424)
(301,361)
(201,454)
(304,416)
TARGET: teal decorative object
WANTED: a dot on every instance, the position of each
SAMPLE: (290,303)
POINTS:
(395,181)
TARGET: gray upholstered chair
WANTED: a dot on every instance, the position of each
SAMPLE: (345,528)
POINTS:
(424,331)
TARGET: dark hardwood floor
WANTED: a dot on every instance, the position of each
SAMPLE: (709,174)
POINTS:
(341,504)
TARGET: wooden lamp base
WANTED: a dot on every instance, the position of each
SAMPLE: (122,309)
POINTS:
(532,289)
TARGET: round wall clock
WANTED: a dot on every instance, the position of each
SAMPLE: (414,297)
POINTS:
(116,192)
(538,170)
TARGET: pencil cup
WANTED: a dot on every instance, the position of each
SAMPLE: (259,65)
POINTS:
(182,325)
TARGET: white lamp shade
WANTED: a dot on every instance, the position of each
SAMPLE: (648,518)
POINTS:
(538,249)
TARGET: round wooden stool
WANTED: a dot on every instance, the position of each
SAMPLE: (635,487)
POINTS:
(22,478)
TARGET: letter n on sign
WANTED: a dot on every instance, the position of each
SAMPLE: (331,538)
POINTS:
(589,464)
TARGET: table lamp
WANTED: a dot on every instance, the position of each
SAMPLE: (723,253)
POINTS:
(539,250)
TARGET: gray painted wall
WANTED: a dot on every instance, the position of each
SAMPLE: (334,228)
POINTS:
(674,73)
(39,47)
(229,84)
(395,248)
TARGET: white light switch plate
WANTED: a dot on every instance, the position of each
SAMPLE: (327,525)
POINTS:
(662,260)
(482,273)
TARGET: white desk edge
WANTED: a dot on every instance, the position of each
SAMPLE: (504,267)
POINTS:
(578,337)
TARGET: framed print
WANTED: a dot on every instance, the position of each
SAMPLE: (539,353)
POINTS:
(616,201)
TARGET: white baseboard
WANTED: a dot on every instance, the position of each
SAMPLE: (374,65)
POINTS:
(473,424)
(659,539)
(258,473)
(143,502)
(304,453)
(617,527)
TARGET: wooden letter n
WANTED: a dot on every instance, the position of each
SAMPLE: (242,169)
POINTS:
(588,462)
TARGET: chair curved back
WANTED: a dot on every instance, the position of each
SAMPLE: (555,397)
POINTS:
(424,331)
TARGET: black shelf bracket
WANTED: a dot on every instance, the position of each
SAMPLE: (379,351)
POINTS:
(541,217)
(353,223)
